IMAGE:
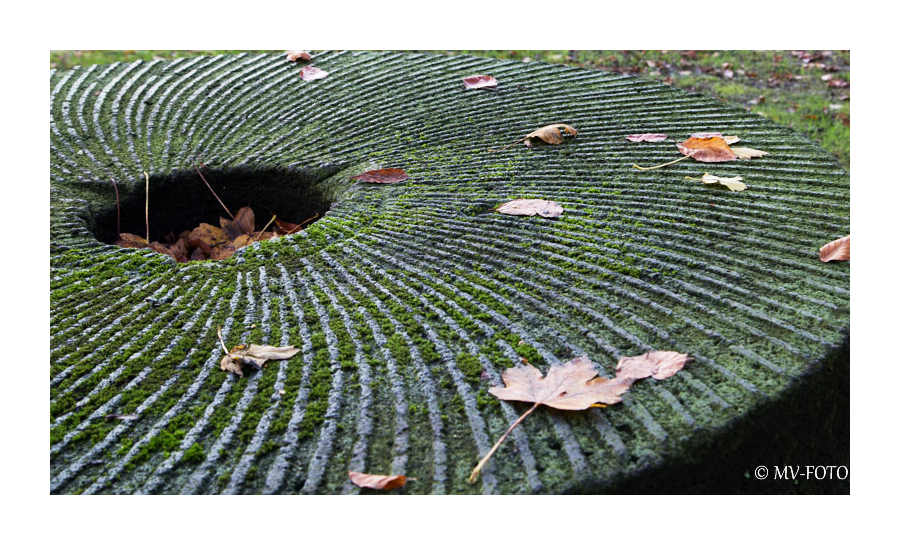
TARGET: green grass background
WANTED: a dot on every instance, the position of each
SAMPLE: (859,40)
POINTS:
(806,90)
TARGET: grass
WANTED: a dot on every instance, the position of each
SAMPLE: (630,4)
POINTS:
(784,86)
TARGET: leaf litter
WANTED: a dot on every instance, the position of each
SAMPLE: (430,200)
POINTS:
(550,134)
(377,482)
(254,356)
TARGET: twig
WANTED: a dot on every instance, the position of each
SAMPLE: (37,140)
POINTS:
(662,165)
(473,478)
(266,227)
(291,232)
(219,333)
(118,213)
(211,189)
(147,205)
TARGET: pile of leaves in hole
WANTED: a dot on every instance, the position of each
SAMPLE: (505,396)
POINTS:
(210,242)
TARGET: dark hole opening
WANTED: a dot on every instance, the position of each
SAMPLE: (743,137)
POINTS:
(181,201)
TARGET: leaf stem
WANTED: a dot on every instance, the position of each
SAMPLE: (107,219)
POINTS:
(211,189)
(662,165)
(509,146)
(219,333)
(266,227)
(473,478)
(118,212)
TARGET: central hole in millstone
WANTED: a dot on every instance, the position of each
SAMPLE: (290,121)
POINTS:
(180,201)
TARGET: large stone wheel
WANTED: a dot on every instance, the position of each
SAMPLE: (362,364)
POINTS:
(407,301)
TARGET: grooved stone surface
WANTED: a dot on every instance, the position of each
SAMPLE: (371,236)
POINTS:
(407,301)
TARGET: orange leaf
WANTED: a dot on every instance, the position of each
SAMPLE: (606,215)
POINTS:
(285,227)
(659,365)
(713,149)
(382,176)
(378,482)
(206,237)
(836,250)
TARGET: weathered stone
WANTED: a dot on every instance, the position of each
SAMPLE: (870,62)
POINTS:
(408,300)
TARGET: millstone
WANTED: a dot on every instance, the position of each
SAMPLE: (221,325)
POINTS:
(409,300)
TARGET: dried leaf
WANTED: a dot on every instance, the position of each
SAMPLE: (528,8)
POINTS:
(712,149)
(836,250)
(309,73)
(254,355)
(127,240)
(297,54)
(285,227)
(734,184)
(382,176)
(552,134)
(244,223)
(747,153)
(479,82)
(206,237)
(530,207)
(162,249)
(571,386)
(377,482)
(659,365)
(649,137)
(728,139)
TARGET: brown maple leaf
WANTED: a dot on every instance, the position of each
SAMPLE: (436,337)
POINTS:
(252,355)
(377,482)
(530,207)
(656,364)
(836,250)
(572,386)
(382,176)
(712,149)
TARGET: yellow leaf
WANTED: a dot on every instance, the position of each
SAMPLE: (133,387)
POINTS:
(747,153)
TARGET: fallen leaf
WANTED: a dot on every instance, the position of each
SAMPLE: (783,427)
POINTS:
(297,54)
(377,482)
(733,184)
(712,149)
(747,153)
(254,355)
(530,207)
(244,223)
(551,134)
(479,82)
(285,227)
(127,240)
(572,386)
(836,250)
(206,237)
(309,73)
(656,364)
(728,139)
(646,137)
(382,176)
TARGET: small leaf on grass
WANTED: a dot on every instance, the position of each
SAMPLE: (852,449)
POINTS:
(297,54)
(658,364)
(309,73)
(650,137)
(836,250)
(747,153)
(734,184)
(382,176)
(479,82)
(254,355)
(530,207)
(377,482)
